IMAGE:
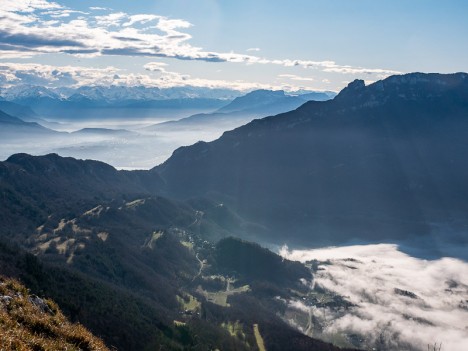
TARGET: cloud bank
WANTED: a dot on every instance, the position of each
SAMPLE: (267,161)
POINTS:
(34,27)
(400,302)
(17,74)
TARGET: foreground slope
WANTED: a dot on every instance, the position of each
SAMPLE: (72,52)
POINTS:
(384,161)
(31,323)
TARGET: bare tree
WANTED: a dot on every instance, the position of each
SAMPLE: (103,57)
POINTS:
(435,347)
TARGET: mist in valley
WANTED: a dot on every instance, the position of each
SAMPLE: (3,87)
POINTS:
(136,143)
(393,301)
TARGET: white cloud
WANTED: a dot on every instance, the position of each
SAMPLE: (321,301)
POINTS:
(253,49)
(155,66)
(112,19)
(170,25)
(28,5)
(97,8)
(140,19)
(380,282)
(296,77)
(357,70)
(158,76)
(34,27)
(60,13)
(47,75)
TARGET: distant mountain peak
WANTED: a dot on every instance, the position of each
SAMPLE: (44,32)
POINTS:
(262,92)
(356,84)
(258,99)
(352,89)
(411,86)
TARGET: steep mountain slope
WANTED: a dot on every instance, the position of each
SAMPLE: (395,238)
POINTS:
(20,111)
(7,119)
(243,109)
(264,101)
(14,127)
(29,322)
(386,161)
(33,187)
(121,317)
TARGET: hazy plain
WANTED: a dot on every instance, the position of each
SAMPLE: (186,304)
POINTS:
(125,143)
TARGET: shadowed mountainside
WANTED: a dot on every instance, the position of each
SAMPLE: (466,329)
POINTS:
(33,186)
(139,270)
(11,126)
(384,161)
(243,109)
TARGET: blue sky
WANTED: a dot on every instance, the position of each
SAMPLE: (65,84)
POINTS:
(242,44)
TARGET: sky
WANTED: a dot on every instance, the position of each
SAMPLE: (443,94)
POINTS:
(243,44)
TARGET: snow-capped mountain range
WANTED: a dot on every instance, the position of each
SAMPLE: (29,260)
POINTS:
(112,94)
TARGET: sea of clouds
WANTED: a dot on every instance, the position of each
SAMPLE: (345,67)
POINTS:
(135,149)
(399,302)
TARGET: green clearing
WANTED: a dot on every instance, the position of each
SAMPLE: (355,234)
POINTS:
(135,203)
(152,239)
(220,297)
(191,305)
(258,338)
(235,329)
(187,244)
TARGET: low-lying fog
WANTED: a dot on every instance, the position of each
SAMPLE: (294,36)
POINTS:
(124,144)
(398,302)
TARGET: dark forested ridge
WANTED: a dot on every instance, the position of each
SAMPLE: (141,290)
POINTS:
(256,263)
(32,188)
(139,270)
(384,161)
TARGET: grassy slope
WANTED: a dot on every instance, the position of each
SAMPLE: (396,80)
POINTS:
(30,323)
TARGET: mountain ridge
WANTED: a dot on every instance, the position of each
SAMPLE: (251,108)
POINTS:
(369,150)
(243,109)
(12,125)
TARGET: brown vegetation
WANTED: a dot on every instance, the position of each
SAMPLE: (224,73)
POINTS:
(28,322)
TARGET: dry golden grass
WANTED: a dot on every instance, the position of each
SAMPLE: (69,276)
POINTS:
(258,338)
(25,326)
